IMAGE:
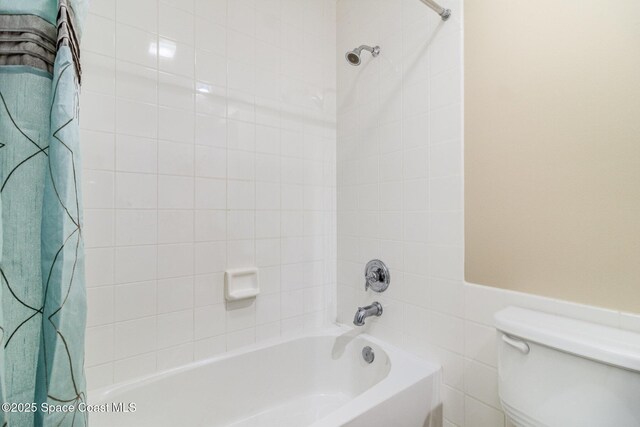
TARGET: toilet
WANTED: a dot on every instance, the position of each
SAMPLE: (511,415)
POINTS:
(555,371)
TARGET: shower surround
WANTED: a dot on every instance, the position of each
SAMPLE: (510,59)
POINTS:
(208,130)
(400,185)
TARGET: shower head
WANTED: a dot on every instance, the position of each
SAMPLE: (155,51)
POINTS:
(353,56)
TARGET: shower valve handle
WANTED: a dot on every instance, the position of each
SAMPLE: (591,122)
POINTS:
(372,277)
(376,276)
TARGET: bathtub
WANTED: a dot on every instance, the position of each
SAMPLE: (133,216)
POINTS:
(318,380)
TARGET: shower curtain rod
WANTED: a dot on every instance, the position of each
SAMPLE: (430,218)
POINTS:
(444,13)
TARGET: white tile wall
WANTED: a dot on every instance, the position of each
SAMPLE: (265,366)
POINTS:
(400,184)
(209,143)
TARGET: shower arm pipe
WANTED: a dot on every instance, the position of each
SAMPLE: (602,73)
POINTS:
(374,51)
(444,13)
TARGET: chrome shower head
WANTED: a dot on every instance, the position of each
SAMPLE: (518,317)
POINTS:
(353,56)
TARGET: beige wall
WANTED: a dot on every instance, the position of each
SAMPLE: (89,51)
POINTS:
(552,157)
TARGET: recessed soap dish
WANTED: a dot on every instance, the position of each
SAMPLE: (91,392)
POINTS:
(241,284)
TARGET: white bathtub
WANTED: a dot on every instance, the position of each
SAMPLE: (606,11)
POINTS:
(319,380)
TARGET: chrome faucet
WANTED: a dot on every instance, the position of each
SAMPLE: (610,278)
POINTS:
(375,309)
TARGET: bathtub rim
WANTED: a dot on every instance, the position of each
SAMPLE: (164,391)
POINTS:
(401,376)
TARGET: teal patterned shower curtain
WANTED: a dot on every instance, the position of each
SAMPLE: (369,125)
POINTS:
(42,289)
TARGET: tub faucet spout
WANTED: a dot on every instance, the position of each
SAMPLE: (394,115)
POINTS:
(375,309)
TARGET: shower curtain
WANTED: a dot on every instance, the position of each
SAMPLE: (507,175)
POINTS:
(42,290)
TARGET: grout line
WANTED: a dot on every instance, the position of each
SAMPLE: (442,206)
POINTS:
(194,212)
(157,148)
(255,178)
(114,181)
(226,202)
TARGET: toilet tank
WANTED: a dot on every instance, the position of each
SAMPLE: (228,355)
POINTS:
(560,372)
